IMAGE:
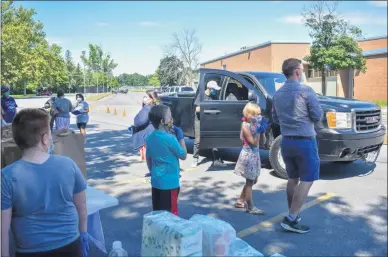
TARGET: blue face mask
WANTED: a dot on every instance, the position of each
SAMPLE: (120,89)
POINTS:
(256,119)
(213,92)
(51,148)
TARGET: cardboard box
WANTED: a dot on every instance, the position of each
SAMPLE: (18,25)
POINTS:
(72,145)
(68,144)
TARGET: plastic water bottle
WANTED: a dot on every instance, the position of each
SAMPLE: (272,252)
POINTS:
(117,250)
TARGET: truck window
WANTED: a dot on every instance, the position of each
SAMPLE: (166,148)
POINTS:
(215,77)
(235,91)
(261,97)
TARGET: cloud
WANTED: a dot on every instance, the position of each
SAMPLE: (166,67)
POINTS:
(359,18)
(149,24)
(292,19)
(101,24)
(354,18)
(379,3)
(153,47)
(56,40)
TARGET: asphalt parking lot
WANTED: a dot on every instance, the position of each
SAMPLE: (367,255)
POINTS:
(346,209)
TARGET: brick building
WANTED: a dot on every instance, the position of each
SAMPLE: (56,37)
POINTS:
(269,56)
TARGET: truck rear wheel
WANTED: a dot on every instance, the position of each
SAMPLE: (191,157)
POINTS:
(276,159)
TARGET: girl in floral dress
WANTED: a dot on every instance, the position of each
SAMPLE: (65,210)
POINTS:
(249,164)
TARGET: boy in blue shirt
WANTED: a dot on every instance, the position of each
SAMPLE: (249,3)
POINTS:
(8,105)
(163,153)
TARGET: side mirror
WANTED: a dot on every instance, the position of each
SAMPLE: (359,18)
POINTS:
(252,97)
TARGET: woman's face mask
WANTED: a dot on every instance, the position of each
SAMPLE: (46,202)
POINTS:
(6,94)
(79,100)
(213,92)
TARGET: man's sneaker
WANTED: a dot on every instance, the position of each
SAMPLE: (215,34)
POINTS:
(195,163)
(294,226)
(219,164)
(298,219)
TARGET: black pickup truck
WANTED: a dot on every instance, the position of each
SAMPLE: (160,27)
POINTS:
(349,130)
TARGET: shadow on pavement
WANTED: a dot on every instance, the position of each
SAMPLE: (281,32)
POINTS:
(109,153)
(335,171)
(336,229)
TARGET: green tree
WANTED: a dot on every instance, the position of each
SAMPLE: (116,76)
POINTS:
(26,56)
(334,40)
(170,71)
(153,80)
(99,64)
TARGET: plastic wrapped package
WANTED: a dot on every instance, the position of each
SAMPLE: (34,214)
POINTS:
(217,236)
(165,234)
(242,248)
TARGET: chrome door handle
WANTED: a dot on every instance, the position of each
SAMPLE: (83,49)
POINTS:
(212,112)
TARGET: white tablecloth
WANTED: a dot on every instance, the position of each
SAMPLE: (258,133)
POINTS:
(97,200)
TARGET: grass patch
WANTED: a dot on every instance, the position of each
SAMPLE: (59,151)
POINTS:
(381,103)
(97,97)
(22,96)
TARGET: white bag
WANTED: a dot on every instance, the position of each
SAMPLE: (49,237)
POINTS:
(165,234)
(217,236)
(242,248)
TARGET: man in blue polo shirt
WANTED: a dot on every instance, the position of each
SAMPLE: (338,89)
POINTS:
(296,109)
(8,105)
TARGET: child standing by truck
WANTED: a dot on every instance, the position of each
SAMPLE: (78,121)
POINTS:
(163,153)
(248,165)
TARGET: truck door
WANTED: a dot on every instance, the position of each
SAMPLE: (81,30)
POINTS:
(221,118)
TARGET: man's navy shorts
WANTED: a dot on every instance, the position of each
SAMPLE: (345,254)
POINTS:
(301,158)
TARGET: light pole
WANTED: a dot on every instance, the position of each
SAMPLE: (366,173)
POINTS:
(83,54)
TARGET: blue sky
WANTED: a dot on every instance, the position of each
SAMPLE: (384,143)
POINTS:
(135,32)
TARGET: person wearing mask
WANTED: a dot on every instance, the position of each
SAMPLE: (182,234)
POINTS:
(166,146)
(296,109)
(82,109)
(249,164)
(62,108)
(142,127)
(48,107)
(8,105)
(211,93)
(43,196)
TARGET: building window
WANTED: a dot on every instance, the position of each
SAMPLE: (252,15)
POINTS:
(313,73)
(249,55)
(224,66)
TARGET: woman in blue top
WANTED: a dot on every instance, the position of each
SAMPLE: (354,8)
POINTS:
(8,105)
(62,108)
(82,110)
(165,146)
(43,196)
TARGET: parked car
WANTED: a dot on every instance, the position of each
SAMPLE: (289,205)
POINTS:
(120,91)
(175,90)
(349,130)
(44,92)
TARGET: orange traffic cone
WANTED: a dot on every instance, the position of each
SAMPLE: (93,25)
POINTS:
(115,112)
(107,110)
(124,113)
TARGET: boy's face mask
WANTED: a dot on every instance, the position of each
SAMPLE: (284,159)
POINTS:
(213,92)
